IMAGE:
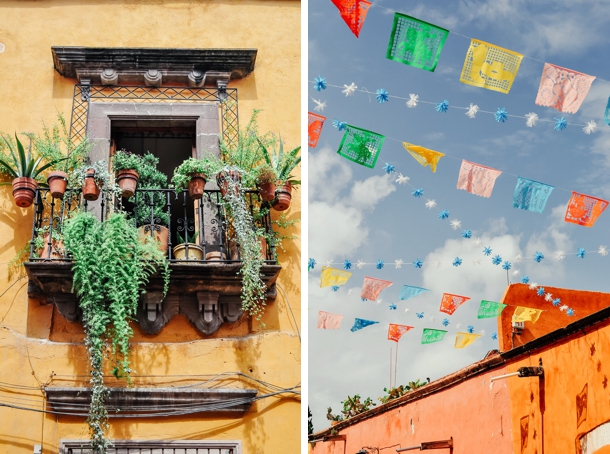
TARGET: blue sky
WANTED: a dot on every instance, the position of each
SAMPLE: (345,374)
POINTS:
(358,213)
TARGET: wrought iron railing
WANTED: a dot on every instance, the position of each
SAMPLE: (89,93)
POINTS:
(202,224)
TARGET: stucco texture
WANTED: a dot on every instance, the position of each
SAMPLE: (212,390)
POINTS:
(37,345)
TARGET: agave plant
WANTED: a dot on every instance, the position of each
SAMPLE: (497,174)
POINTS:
(20,165)
(282,163)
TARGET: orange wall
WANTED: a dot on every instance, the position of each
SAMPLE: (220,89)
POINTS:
(477,417)
(569,366)
(583,303)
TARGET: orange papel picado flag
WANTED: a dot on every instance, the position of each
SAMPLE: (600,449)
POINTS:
(396,331)
(333,276)
(526,314)
(451,302)
(353,13)
(424,156)
(314,128)
(584,209)
(465,339)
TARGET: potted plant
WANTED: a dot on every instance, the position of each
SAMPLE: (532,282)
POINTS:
(192,174)
(188,249)
(56,145)
(127,166)
(24,169)
(265,181)
(283,164)
(334,419)
(108,297)
(150,206)
(92,178)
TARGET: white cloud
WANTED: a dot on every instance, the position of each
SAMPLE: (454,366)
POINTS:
(328,175)
(366,194)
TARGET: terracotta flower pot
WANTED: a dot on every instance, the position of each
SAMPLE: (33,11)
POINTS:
(266,191)
(91,191)
(57,249)
(128,182)
(161,234)
(283,195)
(24,190)
(58,181)
(196,185)
(214,255)
(195,252)
(223,184)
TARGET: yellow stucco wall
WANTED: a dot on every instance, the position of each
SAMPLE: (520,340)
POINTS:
(32,92)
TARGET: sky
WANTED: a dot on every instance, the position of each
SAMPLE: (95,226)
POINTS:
(357,213)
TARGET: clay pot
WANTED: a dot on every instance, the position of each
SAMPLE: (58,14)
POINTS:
(195,252)
(24,191)
(161,234)
(196,185)
(283,195)
(263,241)
(221,179)
(57,181)
(215,256)
(57,248)
(128,182)
(266,191)
(91,191)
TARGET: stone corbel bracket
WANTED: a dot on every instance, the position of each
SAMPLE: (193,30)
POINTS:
(206,310)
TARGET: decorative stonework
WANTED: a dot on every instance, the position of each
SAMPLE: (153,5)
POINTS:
(207,294)
(153,66)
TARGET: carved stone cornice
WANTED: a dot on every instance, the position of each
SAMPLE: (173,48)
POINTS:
(153,66)
(208,294)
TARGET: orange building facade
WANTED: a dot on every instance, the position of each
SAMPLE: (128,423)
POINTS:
(549,392)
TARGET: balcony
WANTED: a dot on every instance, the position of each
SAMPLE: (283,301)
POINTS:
(205,288)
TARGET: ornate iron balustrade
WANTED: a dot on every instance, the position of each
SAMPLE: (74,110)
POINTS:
(206,219)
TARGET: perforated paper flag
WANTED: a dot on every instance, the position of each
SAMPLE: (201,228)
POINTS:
(432,335)
(465,339)
(409,291)
(489,309)
(526,314)
(353,13)
(563,89)
(477,179)
(333,276)
(316,122)
(450,302)
(584,209)
(490,66)
(372,287)
(531,195)
(607,113)
(423,155)
(396,331)
(328,320)
(360,323)
(415,42)
(361,146)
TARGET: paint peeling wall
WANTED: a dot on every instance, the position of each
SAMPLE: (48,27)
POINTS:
(37,346)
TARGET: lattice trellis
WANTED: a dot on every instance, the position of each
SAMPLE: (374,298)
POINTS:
(84,95)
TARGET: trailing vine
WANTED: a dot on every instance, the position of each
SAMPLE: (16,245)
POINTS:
(111,267)
(253,298)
